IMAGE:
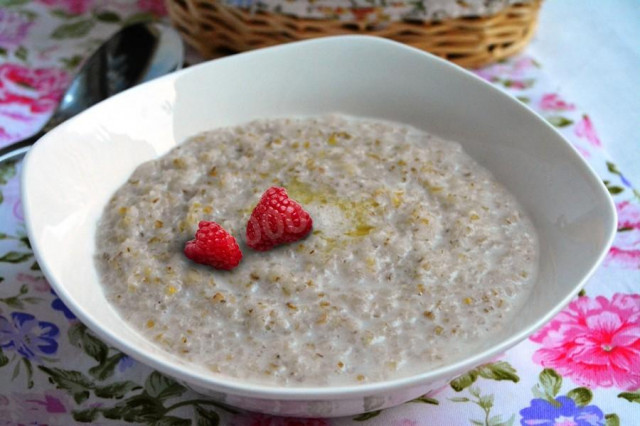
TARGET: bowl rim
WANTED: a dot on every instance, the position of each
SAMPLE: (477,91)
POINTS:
(242,387)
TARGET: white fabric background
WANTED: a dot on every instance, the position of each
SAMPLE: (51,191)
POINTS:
(592,49)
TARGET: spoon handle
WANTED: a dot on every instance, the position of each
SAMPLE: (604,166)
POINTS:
(16,150)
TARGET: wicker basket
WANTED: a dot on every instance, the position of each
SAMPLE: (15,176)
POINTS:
(214,28)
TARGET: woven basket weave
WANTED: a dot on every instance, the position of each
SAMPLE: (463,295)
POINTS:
(213,28)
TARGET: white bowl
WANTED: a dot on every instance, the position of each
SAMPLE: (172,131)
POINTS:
(72,171)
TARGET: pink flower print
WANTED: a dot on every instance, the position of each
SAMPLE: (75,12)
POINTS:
(507,71)
(405,422)
(39,284)
(487,73)
(582,151)
(74,7)
(27,97)
(30,90)
(156,7)
(254,419)
(584,129)
(625,251)
(522,65)
(13,27)
(43,408)
(6,136)
(47,402)
(552,102)
(595,342)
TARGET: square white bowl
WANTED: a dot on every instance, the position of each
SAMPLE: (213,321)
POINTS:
(70,174)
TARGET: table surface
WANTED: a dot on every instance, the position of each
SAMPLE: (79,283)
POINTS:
(582,73)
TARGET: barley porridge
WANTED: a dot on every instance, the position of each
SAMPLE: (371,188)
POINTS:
(416,252)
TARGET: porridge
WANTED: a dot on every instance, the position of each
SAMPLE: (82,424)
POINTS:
(416,252)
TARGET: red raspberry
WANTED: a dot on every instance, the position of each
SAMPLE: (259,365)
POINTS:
(277,219)
(213,246)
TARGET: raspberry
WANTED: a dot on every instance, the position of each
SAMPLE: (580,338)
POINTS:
(277,219)
(213,246)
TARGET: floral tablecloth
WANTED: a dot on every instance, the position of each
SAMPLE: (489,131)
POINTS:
(583,368)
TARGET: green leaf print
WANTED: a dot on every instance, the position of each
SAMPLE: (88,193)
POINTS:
(71,63)
(9,3)
(518,84)
(497,421)
(108,16)
(74,382)
(62,14)
(7,171)
(499,370)
(172,421)
(162,387)
(612,168)
(79,336)
(612,420)
(485,402)
(464,381)
(425,400)
(613,190)
(73,30)
(367,416)
(15,257)
(630,396)
(139,17)
(559,121)
(116,390)
(21,53)
(206,417)
(137,408)
(581,396)
(4,360)
(29,368)
(551,382)
(86,416)
(105,369)
(25,241)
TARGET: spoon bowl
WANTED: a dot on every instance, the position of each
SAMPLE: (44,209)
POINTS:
(135,54)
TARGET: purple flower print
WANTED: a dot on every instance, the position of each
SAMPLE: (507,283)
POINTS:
(125,363)
(13,28)
(28,336)
(58,305)
(564,413)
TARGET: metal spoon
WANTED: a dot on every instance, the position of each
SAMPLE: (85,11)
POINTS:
(136,53)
